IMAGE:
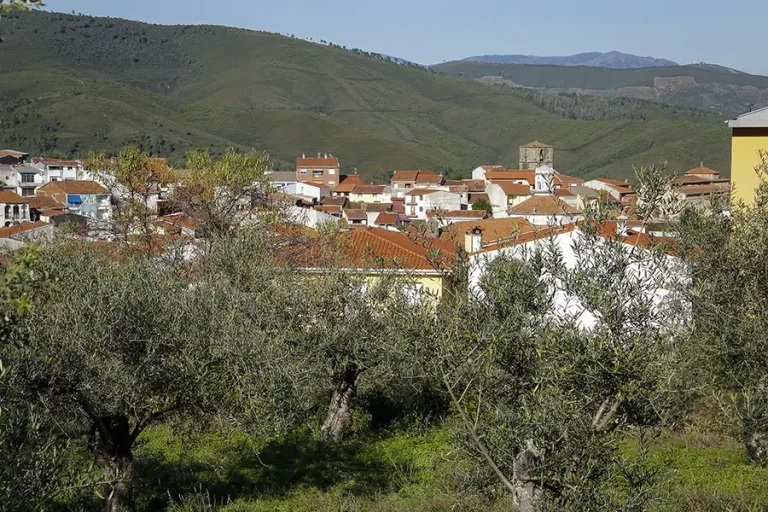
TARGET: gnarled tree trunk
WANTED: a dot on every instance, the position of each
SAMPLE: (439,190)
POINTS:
(113,449)
(526,494)
(339,418)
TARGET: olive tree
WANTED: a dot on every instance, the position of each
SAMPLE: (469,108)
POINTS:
(116,345)
(546,393)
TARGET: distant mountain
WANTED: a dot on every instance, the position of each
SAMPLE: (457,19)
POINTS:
(614,60)
(716,88)
(72,84)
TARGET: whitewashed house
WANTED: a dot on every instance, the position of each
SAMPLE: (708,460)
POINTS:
(419,201)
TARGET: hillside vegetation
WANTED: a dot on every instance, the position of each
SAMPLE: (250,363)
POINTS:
(712,87)
(71,84)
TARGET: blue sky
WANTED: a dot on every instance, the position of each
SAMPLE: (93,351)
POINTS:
(431,31)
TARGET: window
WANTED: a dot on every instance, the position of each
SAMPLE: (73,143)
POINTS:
(303,171)
(27,178)
(317,174)
(421,208)
(331,182)
(27,192)
(331,171)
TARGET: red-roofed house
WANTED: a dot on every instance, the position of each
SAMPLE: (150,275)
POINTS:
(373,253)
(419,201)
(13,208)
(403,181)
(322,170)
(347,185)
(87,198)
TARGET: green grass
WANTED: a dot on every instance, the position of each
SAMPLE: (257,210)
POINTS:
(400,472)
(71,84)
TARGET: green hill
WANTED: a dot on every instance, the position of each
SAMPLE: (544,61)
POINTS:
(70,84)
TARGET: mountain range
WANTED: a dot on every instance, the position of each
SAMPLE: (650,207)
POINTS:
(715,88)
(70,84)
(613,60)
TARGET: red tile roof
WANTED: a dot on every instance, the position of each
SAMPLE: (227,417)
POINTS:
(21,228)
(562,179)
(375,207)
(429,177)
(334,201)
(493,229)
(468,185)
(405,175)
(348,183)
(355,214)
(511,188)
(417,176)
(703,190)
(543,205)
(702,170)
(511,175)
(11,197)
(76,187)
(44,202)
(387,219)
(369,189)
(317,162)
(328,208)
(563,192)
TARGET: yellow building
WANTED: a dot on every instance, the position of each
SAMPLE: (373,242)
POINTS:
(750,135)
(375,253)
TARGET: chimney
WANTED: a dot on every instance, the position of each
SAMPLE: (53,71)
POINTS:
(473,240)
(622,222)
(318,154)
(303,155)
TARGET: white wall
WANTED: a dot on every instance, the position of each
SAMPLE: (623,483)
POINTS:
(567,305)
(303,189)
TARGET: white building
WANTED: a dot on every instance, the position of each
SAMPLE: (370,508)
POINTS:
(421,200)
(60,170)
(13,208)
(306,191)
(665,273)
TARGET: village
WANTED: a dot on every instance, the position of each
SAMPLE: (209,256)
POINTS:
(491,213)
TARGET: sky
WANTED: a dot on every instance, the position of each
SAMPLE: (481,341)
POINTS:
(433,31)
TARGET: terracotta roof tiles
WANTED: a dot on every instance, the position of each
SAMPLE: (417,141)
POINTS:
(543,205)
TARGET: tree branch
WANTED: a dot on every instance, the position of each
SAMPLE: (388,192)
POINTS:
(476,439)
(141,425)
(91,412)
(603,417)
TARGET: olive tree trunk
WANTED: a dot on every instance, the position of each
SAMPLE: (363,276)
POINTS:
(527,493)
(113,450)
(339,418)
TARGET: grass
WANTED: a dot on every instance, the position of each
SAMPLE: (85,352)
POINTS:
(399,472)
(71,84)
